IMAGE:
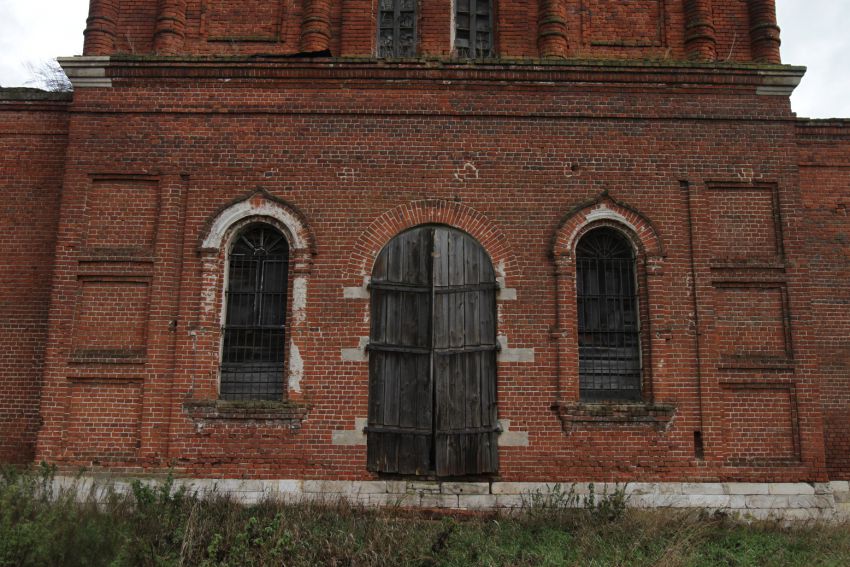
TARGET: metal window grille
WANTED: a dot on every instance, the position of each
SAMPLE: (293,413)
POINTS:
(608,321)
(397,28)
(252,364)
(474,28)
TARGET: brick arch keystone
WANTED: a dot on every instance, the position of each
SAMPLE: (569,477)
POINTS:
(430,211)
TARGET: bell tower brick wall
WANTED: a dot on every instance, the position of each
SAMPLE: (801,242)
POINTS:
(665,30)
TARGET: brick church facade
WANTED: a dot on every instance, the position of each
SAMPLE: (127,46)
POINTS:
(480,241)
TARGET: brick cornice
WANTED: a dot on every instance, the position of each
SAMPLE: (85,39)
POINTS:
(102,71)
(813,129)
(17,99)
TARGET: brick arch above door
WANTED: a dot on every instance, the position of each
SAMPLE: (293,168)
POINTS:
(431,211)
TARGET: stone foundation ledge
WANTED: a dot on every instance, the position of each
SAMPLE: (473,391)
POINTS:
(758,501)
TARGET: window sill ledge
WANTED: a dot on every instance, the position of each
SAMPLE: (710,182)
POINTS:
(577,414)
(285,412)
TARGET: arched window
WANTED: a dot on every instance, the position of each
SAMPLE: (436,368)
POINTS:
(608,320)
(473,28)
(397,28)
(252,362)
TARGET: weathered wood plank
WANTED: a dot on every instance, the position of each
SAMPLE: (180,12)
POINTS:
(395,261)
(408,400)
(473,390)
(391,389)
(424,394)
(456,257)
(376,388)
(441,257)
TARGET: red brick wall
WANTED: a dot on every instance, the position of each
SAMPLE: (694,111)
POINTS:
(33,136)
(825,185)
(592,29)
(358,161)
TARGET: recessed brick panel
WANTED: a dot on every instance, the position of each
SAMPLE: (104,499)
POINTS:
(751,322)
(745,228)
(111,319)
(104,420)
(252,20)
(632,23)
(760,425)
(122,215)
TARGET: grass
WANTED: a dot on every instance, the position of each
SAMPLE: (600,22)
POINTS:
(159,525)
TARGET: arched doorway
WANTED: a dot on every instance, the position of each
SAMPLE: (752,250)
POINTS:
(432,363)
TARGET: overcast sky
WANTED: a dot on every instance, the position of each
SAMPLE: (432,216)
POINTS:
(814,33)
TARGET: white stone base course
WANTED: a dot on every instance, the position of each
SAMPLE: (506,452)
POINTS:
(757,501)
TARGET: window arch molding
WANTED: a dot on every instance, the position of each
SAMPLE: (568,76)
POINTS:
(258,208)
(649,260)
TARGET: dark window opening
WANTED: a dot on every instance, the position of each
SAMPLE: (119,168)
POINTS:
(252,364)
(397,28)
(608,321)
(474,29)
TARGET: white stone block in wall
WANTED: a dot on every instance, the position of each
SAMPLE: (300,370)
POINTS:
(737,502)
(397,486)
(761,514)
(703,488)
(401,500)
(351,437)
(658,500)
(439,501)
(638,488)
(766,502)
(508,438)
(370,487)
(747,488)
(477,501)
(465,488)
(324,486)
(785,488)
(811,501)
(374,500)
(841,497)
(290,487)
(510,501)
(423,487)
(712,501)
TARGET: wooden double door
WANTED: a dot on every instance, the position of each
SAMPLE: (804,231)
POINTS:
(432,360)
